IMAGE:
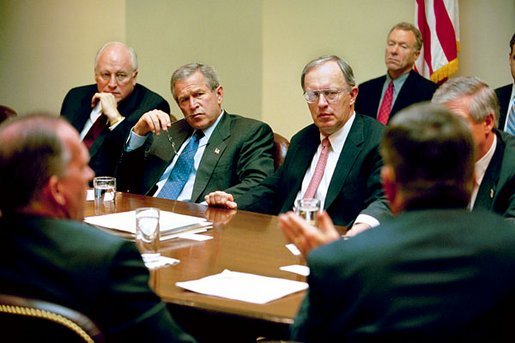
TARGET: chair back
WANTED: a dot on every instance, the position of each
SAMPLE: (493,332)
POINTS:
(281,145)
(27,320)
(6,113)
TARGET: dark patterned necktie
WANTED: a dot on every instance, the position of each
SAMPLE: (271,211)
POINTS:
(98,126)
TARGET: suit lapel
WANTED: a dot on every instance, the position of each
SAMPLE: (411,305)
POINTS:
(350,152)
(487,189)
(212,153)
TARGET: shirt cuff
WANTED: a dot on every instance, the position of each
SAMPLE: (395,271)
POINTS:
(134,141)
(112,127)
(367,219)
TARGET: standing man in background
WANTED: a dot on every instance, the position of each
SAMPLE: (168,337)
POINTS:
(506,95)
(104,112)
(384,96)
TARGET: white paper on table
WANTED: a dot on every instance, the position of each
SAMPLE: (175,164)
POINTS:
(297,269)
(171,224)
(246,287)
(293,249)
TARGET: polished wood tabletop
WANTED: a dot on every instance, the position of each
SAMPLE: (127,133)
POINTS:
(242,241)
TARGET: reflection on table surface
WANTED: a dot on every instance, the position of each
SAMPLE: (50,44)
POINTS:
(243,241)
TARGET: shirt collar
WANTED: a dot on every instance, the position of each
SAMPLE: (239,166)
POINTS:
(209,130)
(338,138)
(481,165)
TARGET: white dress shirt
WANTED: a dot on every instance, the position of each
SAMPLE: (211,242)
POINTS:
(337,140)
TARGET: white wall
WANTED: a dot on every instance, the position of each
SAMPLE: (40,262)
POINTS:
(259,47)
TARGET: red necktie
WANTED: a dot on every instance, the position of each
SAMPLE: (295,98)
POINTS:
(98,126)
(319,170)
(386,105)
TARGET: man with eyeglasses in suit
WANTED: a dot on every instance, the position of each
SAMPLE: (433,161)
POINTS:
(104,112)
(349,188)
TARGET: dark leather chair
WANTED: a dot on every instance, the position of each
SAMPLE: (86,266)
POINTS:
(31,320)
(281,145)
(6,113)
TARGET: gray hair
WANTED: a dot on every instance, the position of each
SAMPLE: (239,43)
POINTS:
(344,67)
(132,53)
(483,98)
(31,152)
(187,70)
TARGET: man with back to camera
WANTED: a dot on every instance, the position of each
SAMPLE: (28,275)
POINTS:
(348,185)
(383,97)
(104,113)
(430,273)
(53,256)
(210,149)
(506,95)
(472,99)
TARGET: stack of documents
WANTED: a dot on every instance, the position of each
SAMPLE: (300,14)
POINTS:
(171,224)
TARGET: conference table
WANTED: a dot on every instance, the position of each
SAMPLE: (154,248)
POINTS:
(242,242)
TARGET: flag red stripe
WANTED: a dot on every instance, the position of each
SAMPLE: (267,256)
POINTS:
(445,30)
(426,33)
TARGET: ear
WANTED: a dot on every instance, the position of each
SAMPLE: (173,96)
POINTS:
(389,185)
(489,122)
(134,78)
(353,94)
(219,91)
(54,188)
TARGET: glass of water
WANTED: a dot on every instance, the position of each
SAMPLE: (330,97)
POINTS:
(147,233)
(105,194)
(308,209)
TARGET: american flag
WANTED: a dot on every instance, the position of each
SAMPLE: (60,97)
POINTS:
(438,21)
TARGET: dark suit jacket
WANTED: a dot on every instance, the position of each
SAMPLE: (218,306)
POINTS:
(355,186)
(107,148)
(497,190)
(504,96)
(237,157)
(415,89)
(426,275)
(83,268)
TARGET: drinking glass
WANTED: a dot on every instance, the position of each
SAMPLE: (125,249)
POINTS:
(308,209)
(147,233)
(105,194)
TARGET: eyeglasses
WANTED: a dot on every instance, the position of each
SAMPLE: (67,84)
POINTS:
(120,77)
(329,94)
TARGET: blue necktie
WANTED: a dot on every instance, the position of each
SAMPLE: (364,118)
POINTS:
(510,125)
(181,170)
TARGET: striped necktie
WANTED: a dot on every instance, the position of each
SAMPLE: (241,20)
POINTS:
(510,120)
